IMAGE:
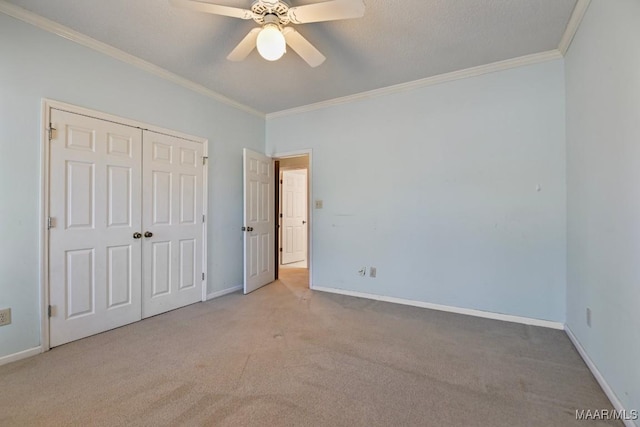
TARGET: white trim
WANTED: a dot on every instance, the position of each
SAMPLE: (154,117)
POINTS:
(598,375)
(223,292)
(101,115)
(20,355)
(429,81)
(289,154)
(205,212)
(573,25)
(84,40)
(309,153)
(450,309)
(44,234)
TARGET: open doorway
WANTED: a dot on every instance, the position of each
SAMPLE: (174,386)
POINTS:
(292,225)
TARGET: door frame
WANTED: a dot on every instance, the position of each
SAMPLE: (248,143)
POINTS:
(47,105)
(310,199)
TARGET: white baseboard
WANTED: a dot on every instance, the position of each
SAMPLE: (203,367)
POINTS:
(451,309)
(223,292)
(20,355)
(599,377)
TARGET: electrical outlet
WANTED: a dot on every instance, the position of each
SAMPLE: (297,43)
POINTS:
(362,272)
(588,317)
(5,316)
(319,204)
(372,272)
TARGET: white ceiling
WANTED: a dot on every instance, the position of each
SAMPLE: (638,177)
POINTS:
(397,41)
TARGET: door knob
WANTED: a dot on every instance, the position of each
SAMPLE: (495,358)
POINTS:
(137,235)
(249,228)
(304,222)
(148,234)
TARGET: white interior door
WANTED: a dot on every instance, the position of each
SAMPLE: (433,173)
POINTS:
(172,223)
(94,203)
(294,216)
(259,224)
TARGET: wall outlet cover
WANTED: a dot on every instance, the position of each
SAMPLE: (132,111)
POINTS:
(5,316)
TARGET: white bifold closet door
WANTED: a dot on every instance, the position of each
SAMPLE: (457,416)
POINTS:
(172,218)
(126,225)
(95,206)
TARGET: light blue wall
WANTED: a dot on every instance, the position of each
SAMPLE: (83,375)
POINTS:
(35,64)
(437,188)
(603,179)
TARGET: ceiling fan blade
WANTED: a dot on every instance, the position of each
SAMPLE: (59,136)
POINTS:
(245,47)
(328,11)
(302,47)
(216,9)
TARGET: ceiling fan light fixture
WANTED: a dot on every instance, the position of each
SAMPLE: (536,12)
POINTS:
(273,35)
(271,43)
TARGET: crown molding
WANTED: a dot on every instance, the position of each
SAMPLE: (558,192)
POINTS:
(573,25)
(84,40)
(66,32)
(429,81)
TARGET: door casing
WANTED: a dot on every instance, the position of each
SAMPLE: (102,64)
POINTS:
(310,209)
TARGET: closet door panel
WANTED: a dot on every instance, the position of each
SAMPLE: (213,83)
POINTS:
(95,208)
(172,222)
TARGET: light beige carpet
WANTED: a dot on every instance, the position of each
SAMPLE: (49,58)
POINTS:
(285,355)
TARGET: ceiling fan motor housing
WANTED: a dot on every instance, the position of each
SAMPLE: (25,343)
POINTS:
(270,12)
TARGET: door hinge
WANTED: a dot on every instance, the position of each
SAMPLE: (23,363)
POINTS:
(49,223)
(51,131)
(280,249)
(203,218)
(204,160)
(280,215)
(49,311)
(281,182)
(202,276)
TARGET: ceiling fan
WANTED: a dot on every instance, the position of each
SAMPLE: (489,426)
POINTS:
(274,16)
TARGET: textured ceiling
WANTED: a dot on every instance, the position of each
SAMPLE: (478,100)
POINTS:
(397,41)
